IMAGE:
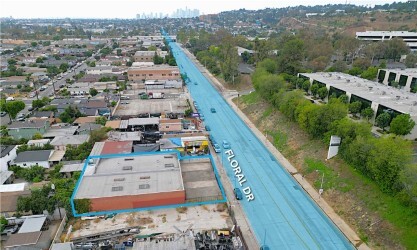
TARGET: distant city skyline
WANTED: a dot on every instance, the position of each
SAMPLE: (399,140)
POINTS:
(128,9)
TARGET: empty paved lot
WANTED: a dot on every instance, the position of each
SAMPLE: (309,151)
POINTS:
(199,181)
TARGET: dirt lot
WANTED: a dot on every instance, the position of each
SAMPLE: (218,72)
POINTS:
(344,189)
(157,221)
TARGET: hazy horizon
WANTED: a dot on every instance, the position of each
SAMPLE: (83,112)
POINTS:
(127,9)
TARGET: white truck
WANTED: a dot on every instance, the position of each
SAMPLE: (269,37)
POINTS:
(156,95)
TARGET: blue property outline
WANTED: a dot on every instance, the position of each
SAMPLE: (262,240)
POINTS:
(190,204)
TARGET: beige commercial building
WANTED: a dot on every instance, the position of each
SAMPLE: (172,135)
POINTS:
(153,73)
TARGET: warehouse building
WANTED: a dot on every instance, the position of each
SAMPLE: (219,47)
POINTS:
(132,181)
(405,78)
(379,97)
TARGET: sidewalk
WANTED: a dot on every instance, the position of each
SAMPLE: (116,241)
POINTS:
(337,220)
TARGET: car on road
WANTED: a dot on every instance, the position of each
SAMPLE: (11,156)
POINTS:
(30,109)
(238,194)
(216,147)
(33,94)
(213,110)
(3,113)
(10,98)
(226,144)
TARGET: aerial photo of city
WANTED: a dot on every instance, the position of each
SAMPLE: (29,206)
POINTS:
(208,125)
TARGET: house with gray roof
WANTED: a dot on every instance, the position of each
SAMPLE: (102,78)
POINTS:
(61,142)
(27,159)
(27,129)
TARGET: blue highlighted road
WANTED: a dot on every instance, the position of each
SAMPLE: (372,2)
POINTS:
(282,215)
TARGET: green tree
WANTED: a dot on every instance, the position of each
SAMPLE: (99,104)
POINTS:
(3,223)
(37,136)
(11,61)
(291,57)
(367,113)
(14,107)
(92,64)
(314,89)
(101,120)
(322,92)
(119,52)
(387,159)
(370,73)
(306,85)
(411,60)
(37,202)
(93,92)
(152,48)
(34,44)
(70,114)
(383,120)
(82,205)
(63,67)
(39,60)
(269,65)
(355,107)
(343,98)
(402,124)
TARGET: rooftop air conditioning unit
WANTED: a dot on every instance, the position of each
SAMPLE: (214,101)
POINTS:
(414,103)
(370,88)
(347,80)
(383,92)
(397,97)
(338,78)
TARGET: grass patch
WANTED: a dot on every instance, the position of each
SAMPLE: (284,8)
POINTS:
(267,112)
(279,139)
(251,98)
(329,177)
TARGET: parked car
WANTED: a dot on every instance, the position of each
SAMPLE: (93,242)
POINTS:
(10,230)
(238,194)
(3,113)
(226,144)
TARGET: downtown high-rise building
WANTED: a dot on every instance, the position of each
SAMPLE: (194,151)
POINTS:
(179,13)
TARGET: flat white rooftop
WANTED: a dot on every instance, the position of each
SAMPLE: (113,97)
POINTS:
(131,175)
(390,97)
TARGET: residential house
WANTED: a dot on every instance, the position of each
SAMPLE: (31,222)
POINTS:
(8,154)
(86,128)
(8,200)
(60,130)
(27,159)
(61,142)
(27,129)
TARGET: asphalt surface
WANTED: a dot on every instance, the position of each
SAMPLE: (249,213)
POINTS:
(281,214)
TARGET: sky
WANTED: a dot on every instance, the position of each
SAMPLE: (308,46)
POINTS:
(129,8)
